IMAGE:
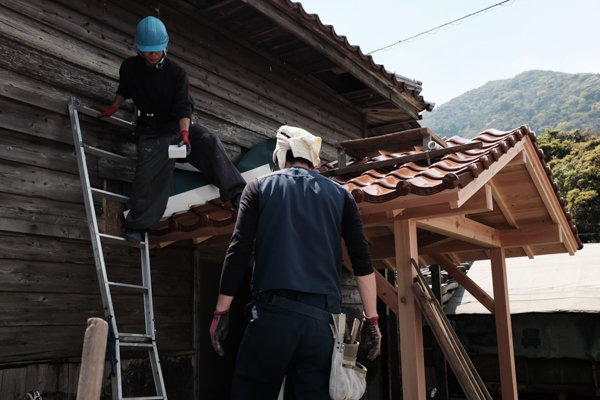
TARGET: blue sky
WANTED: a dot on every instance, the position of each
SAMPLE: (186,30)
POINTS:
(555,35)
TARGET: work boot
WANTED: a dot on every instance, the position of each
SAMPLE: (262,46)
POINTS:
(134,236)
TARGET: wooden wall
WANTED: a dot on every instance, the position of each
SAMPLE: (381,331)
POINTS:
(54,49)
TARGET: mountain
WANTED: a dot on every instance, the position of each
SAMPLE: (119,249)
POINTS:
(541,99)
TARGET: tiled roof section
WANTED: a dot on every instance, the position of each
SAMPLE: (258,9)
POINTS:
(403,84)
(451,171)
(214,214)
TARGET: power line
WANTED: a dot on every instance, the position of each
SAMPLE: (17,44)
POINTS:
(441,26)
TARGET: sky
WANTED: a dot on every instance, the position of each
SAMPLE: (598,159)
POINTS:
(518,36)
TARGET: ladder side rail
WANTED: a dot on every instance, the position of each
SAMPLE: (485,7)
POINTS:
(159,382)
(147,282)
(150,323)
(91,215)
(117,379)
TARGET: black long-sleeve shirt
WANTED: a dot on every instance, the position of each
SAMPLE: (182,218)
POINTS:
(298,218)
(163,91)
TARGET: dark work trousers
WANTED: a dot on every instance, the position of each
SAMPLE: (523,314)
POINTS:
(154,173)
(280,342)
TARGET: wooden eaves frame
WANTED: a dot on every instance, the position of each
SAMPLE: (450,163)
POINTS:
(447,213)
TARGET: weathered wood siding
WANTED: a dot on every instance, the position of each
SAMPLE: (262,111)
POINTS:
(54,49)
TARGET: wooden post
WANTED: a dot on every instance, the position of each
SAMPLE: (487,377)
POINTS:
(506,355)
(92,360)
(409,312)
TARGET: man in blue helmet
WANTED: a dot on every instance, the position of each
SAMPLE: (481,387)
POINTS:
(159,88)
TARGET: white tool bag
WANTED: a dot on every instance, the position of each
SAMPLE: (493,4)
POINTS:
(347,380)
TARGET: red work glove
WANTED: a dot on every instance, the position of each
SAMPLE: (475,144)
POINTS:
(218,330)
(106,112)
(184,139)
(373,332)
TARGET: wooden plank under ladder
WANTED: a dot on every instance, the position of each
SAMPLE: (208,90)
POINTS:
(455,353)
(146,341)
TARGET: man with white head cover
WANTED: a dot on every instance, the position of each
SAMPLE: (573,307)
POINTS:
(298,219)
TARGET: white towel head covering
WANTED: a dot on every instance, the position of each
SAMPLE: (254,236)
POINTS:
(302,143)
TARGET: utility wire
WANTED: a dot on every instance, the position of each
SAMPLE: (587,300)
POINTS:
(441,26)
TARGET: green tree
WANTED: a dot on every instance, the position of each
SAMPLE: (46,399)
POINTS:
(575,161)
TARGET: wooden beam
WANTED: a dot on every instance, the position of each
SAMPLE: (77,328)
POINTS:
(202,232)
(465,281)
(162,245)
(450,245)
(478,203)
(450,196)
(355,168)
(460,227)
(533,235)
(506,356)
(409,312)
(199,240)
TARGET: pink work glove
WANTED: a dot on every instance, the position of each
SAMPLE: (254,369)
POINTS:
(373,332)
(184,139)
(106,112)
(218,330)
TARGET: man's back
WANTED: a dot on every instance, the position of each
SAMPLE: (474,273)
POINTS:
(298,240)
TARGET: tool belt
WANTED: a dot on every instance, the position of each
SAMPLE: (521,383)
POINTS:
(293,305)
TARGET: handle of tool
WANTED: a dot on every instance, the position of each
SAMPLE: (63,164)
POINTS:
(354,331)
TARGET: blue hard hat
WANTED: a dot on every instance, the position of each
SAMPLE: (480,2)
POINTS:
(151,35)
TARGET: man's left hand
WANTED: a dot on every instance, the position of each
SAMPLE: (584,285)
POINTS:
(372,330)
(184,140)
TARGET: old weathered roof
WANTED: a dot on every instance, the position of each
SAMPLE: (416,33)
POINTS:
(284,30)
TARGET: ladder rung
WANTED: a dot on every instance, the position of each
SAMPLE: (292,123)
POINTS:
(112,119)
(109,195)
(135,344)
(144,398)
(132,336)
(108,155)
(136,288)
(120,241)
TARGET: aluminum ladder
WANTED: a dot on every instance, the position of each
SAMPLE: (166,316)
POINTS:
(131,340)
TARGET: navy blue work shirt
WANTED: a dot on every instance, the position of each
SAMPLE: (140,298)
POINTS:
(298,218)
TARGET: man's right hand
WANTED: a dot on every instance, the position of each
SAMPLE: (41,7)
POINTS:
(218,330)
(105,112)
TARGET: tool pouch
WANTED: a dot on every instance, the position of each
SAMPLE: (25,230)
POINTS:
(347,380)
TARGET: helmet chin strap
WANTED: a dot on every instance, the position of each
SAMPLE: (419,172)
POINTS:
(162,60)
